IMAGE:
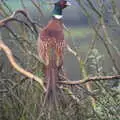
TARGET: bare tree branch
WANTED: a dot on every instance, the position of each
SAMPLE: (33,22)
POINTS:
(17,67)
(37,5)
(93,79)
(30,75)
(12,18)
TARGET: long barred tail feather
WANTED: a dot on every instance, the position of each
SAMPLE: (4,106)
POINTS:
(51,76)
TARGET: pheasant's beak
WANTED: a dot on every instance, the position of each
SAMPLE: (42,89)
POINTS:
(68,3)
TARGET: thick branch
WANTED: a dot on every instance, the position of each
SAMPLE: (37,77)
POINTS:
(97,78)
(17,67)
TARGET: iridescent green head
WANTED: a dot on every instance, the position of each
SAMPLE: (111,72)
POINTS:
(59,6)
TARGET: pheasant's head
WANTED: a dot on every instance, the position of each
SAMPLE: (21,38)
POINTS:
(62,4)
(59,6)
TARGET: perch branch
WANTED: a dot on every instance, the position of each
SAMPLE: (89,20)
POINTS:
(83,81)
(17,67)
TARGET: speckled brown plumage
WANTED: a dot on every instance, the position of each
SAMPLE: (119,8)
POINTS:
(51,36)
(51,45)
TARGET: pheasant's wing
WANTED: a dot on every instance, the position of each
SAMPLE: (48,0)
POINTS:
(51,39)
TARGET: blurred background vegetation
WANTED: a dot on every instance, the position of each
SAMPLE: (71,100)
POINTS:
(94,27)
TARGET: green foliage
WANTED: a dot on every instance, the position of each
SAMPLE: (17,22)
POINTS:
(107,100)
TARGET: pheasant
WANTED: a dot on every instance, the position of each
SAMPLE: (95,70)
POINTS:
(51,46)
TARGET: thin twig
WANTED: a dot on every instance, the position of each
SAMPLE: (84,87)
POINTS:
(12,17)
(37,5)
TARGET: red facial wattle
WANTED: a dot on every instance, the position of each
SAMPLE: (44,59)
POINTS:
(63,4)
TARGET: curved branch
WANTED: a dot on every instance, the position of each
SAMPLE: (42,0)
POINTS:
(17,67)
(83,81)
(12,17)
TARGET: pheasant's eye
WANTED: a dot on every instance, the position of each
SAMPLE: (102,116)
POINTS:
(63,3)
